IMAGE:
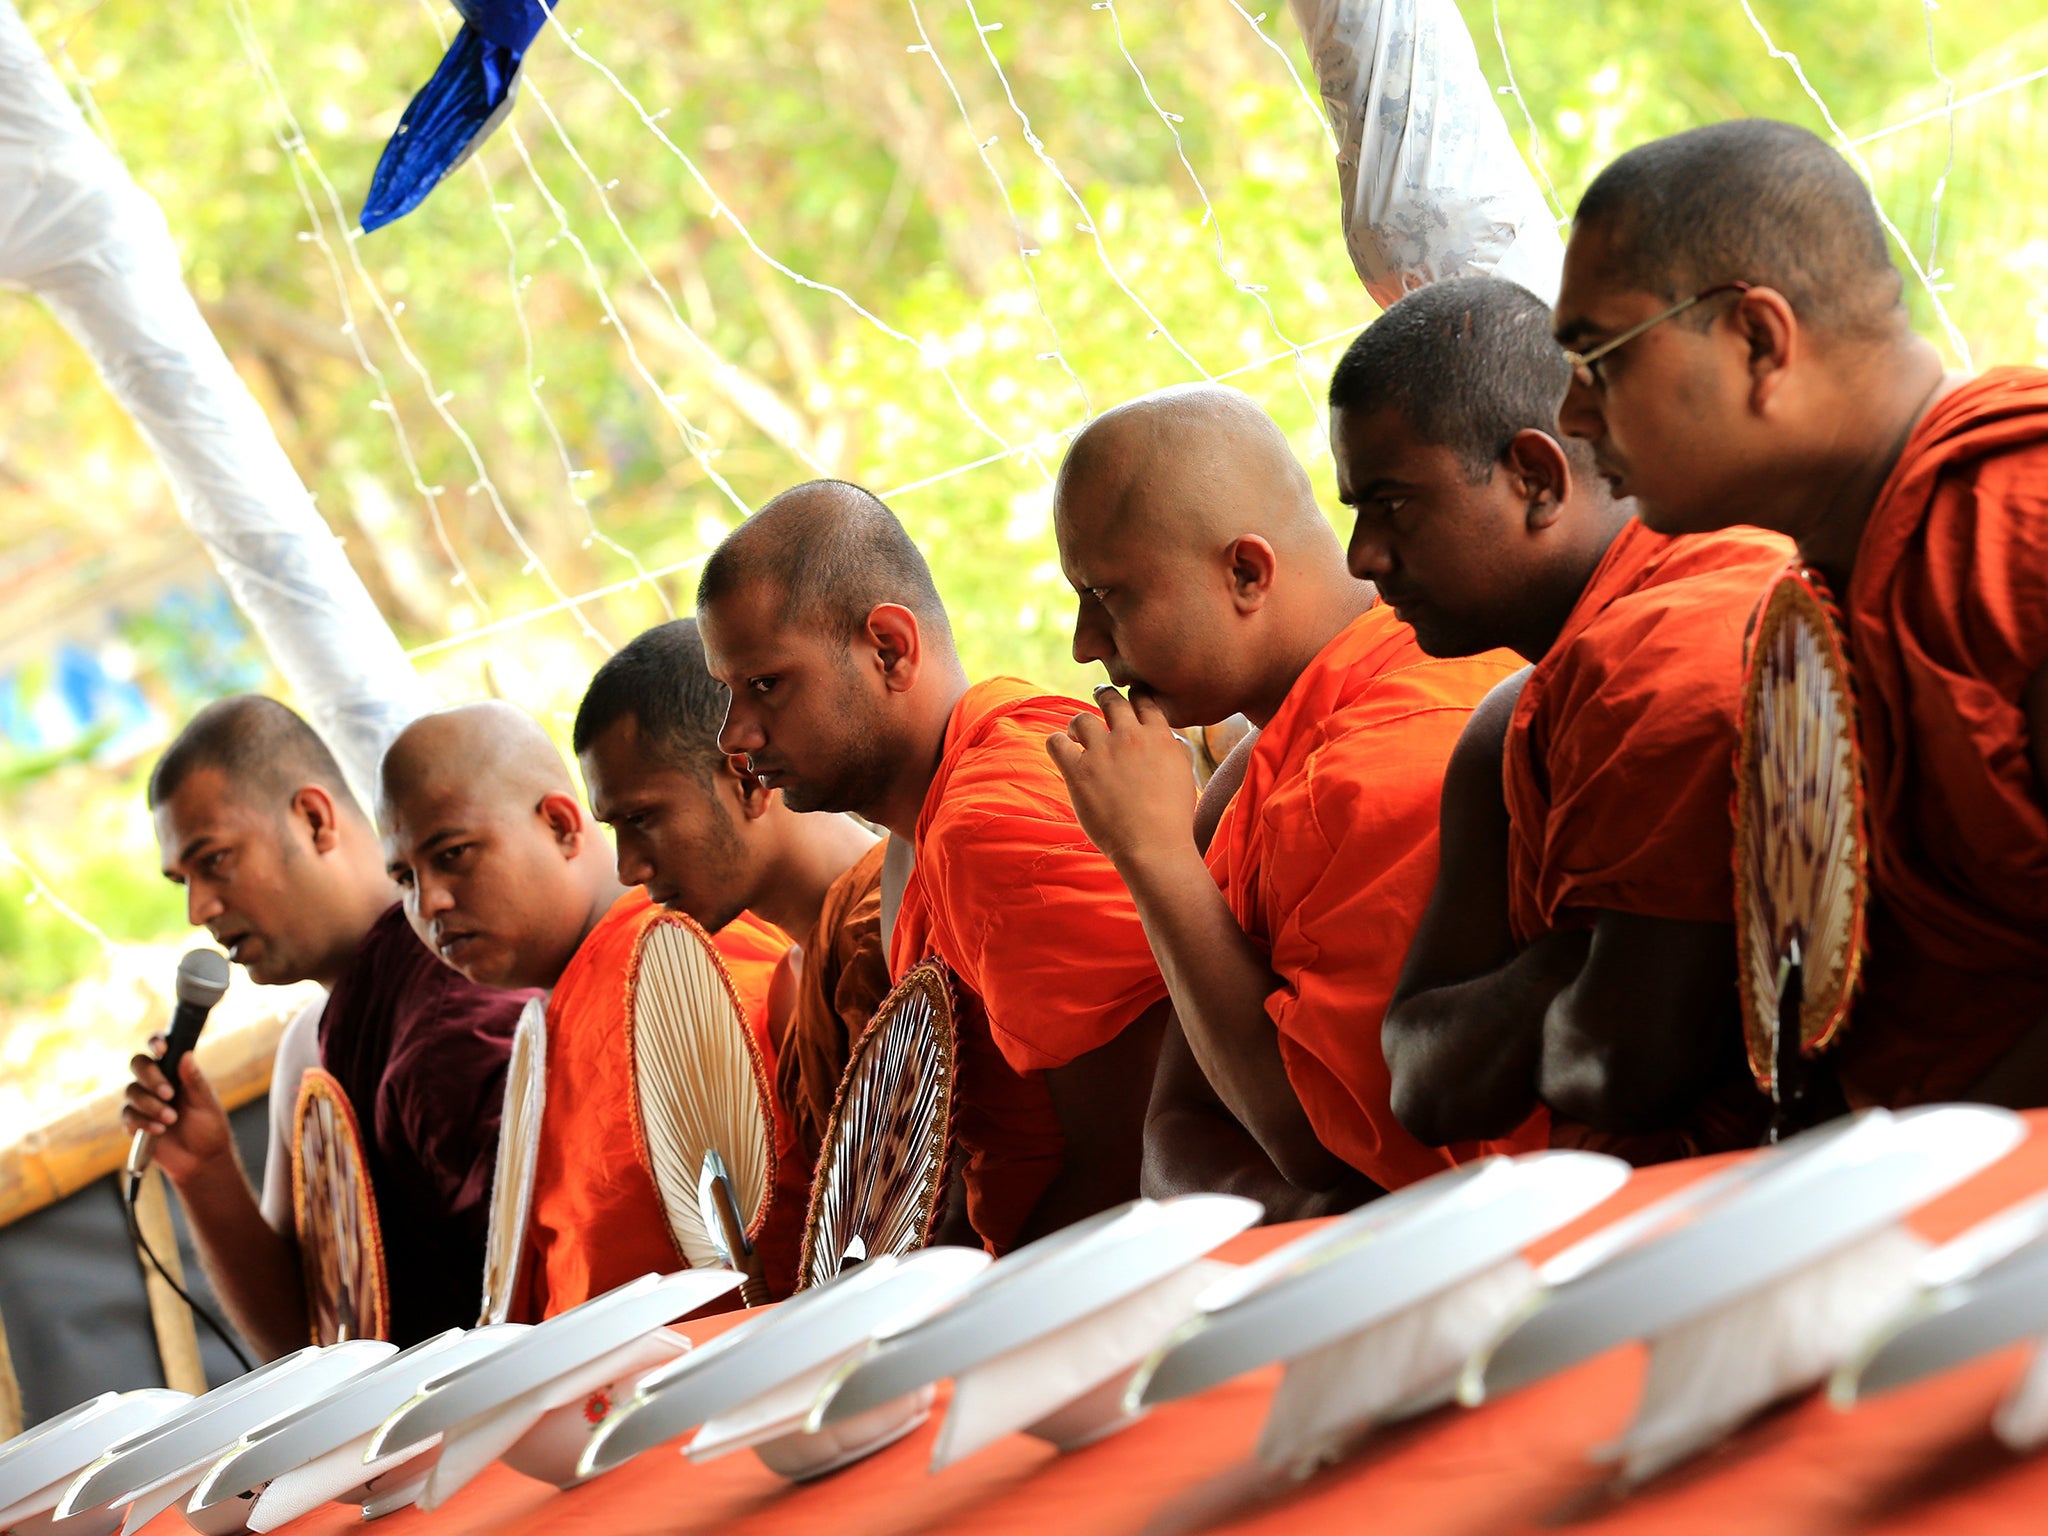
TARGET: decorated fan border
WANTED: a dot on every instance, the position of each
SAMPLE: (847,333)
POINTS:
(930,979)
(1803,593)
(517,1161)
(374,1311)
(757,1067)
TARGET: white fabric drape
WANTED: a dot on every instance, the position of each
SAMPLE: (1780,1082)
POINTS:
(76,231)
(1432,184)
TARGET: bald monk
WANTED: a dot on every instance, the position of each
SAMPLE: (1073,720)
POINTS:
(1210,583)
(1579,950)
(1747,357)
(820,617)
(280,865)
(508,880)
(707,840)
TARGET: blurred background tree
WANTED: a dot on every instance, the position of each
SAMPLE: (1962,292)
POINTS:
(629,317)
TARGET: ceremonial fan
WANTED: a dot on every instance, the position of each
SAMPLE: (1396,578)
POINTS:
(703,1096)
(341,1249)
(1800,845)
(526,1085)
(881,1176)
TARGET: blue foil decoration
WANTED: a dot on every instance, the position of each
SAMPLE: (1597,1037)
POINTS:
(469,95)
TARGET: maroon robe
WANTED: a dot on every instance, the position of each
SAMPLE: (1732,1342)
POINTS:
(421,1053)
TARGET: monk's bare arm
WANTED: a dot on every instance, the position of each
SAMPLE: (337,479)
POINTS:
(1099,1100)
(1134,794)
(253,1267)
(1651,1017)
(1194,1144)
(1463,1035)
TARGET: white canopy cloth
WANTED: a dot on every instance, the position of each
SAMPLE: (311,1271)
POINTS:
(76,231)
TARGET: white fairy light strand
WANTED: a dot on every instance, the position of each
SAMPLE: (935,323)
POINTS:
(437,399)
(1024,252)
(1088,225)
(1948,87)
(516,282)
(39,890)
(1971,100)
(1513,89)
(1210,217)
(1315,105)
(720,208)
(1842,141)
(1043,443)
(695,440)
(719,365)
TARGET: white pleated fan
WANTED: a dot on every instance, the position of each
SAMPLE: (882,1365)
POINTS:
(881,1177)
(1800,849)
(700,1083)
(526,1087)
(341,1245)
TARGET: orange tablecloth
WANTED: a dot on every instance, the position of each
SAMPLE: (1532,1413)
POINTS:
(1919,1460)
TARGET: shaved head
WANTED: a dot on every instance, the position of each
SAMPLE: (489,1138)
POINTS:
(834,552)
(1201,563)
(263,751)
(502,871)
(1755,200)
(1188,465)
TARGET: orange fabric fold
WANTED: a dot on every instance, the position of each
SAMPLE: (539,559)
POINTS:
(597,1219)
(1044,943)
(1619,771)
(1947,614)
(1327,855)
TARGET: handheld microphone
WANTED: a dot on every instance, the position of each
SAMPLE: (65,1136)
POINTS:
(202,980)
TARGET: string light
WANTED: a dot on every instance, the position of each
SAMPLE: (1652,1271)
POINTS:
(39,890)
(1842,140)
(437,399)
(1211,217)
(1024,252)
(1948,88)
(1087,225)
(1535,138)
(1322,116)
(721,209)
(516,282)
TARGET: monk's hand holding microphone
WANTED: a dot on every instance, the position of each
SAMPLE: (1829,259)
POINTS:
(1131,779)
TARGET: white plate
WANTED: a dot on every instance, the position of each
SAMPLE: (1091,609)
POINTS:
(813,1328)
(157,1465)
(351,1411)
(1768,1218)
(1391,1255)
(1040,1288)
(36,1464)
(1987,1289)
(563,1344)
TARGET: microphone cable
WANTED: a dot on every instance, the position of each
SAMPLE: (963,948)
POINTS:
(220,1330)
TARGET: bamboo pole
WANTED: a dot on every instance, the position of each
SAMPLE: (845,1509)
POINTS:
(177,1336)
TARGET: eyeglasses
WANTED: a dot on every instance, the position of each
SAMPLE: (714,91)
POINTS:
(1586,364)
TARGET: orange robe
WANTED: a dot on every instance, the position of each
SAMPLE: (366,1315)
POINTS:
(1046,950)
(1947,614)
(843,978)
(1327,855)
(596,1219)
(1619,770)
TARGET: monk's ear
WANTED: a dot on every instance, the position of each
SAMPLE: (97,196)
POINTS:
(1771,340)
(1252,564)
(313,808)
(1539,474)
(898,644)
(743,789)
(564,818)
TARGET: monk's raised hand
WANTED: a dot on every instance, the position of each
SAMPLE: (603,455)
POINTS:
(1130,778)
